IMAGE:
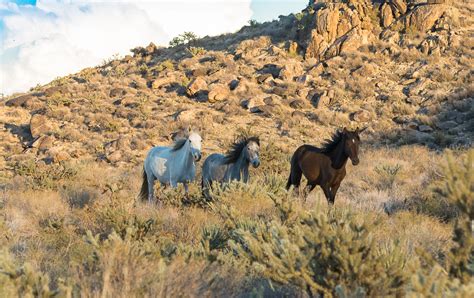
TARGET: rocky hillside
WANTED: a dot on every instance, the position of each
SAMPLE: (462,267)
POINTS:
(402,68)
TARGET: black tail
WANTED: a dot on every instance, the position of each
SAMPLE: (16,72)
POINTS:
(295,170)
(144,191)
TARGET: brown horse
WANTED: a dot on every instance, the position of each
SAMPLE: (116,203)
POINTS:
(325,166)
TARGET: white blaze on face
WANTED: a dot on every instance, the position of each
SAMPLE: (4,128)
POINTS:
(195,140)
(253,147)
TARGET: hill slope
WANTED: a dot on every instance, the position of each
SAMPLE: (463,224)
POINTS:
(71,152)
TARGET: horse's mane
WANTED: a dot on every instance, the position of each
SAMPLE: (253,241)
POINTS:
(179,143)
(236,148)
(331,143)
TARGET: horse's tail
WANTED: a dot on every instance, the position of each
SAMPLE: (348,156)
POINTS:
(144,190)
(295,170)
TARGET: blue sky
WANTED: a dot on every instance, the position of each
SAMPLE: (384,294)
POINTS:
(44,39)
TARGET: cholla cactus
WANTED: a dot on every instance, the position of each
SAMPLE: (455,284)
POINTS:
(459,188)
(25,281)
(322,253)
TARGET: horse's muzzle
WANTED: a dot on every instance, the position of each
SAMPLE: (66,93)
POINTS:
(256,163)
(355,161)
(197,156)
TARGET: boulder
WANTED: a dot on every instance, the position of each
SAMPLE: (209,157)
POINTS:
(162,81)
(39,125)
(361,116)
(423,17)
(425,128)
(218,92)
(253,104)
(44,143)
(196,85)
(399,5)
(114,156)
(386,15)
(117,92)
(20,101)
(290,70)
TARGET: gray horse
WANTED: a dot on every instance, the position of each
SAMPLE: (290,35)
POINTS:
(171,165)
(234,166)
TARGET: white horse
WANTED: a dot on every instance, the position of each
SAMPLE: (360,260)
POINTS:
(171,165)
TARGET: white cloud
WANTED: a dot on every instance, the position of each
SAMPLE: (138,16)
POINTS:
(60,37)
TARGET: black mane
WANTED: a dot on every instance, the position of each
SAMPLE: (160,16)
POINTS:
(330,144)
(236,149)
(178,144)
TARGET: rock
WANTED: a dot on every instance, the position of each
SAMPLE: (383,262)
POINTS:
(447,125)
(303,79)
(114,156)
(297,114)
(361,116)
(386,15)
(400,119)
(339,27)
(151,48)
(20,101)
(252,104)
(162,81)
(218,92)
(200,72)
(185,116)
(297,104)
(58,154)
(423,17)
(196,85)
(56,90)
(117,92)
(233,84)
(399,5)
(412,125)
(320,100)
(264,78)
(289,71)
(39,125)
(414,100)
(425,128)
(44,143)
(293,48)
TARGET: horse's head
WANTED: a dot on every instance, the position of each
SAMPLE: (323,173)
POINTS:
(252,152)
(351,144)
(195,142)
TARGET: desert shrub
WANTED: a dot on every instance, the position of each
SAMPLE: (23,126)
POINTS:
(196,51)
(388,175)
(42,176)
(458,187)
(25,281)
(120,266)
(324,252)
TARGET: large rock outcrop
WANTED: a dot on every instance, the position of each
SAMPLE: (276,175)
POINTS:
(339,27)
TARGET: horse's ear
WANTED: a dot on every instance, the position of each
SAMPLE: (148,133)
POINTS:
(344,130)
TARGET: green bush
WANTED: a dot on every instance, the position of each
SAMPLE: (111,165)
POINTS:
(324,253)
(42,176)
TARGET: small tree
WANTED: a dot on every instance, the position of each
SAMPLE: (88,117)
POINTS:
(184,38)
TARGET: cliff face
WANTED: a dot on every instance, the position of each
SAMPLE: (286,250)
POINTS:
(335,27)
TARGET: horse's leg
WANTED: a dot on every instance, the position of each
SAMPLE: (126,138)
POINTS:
(327,192)
(309,187)
(333,191)
(151,193)
(186,188)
